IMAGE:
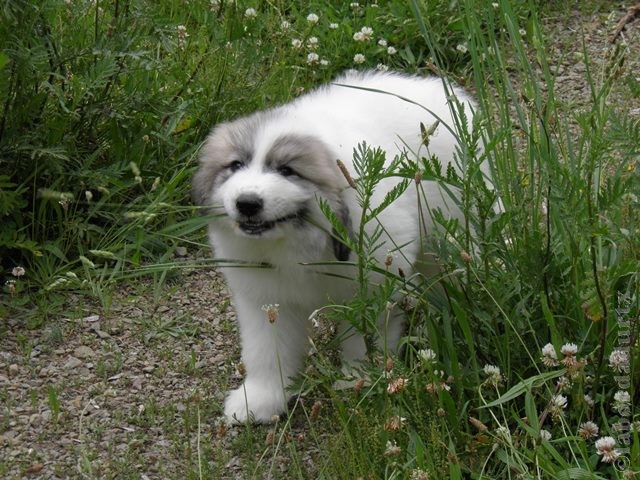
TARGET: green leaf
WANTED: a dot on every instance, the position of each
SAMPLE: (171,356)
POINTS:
(548,316)
(389,198)
(578,474)
(525,386)
(530,410)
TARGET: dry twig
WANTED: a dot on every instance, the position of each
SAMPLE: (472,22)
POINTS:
(628,18)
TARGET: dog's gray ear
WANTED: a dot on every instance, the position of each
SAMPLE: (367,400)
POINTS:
(205,176)
(340,250)
(201,185)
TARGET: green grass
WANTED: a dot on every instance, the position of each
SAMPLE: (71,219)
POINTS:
(104,109)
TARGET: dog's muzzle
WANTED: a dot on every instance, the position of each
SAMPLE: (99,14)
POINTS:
(250,206)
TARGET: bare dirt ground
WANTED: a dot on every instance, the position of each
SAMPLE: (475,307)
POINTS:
(137,392)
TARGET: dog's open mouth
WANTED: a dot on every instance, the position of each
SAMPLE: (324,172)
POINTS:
(257,227)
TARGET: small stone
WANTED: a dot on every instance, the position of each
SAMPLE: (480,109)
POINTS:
(136,383)
(148,369)
(219,359)
(72,362)
(181,251)
(84,352)
(14,369)
(101,333)
(34,469)
(91,318)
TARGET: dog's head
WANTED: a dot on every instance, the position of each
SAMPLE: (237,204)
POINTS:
(268,179)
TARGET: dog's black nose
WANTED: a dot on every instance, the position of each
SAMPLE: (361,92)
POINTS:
(249,204)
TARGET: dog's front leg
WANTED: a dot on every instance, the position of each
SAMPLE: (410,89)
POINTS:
(272,352)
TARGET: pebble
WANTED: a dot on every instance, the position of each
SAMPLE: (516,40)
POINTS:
(136,383)
(14,369)
(101,334)
(84,352)
(72,362)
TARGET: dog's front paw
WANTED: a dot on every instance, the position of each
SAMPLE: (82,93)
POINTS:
(258,403)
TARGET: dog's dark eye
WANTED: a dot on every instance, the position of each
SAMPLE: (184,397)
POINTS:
(286,171)
(235,165)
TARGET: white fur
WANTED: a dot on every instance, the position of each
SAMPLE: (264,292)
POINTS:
(340,118)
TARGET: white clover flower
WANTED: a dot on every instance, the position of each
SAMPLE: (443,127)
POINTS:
(494,377)
(569,349)
(250,13)
(313,18)
(11,286)
(462,48)
(605,447)
(418,474)
(588,430)
(619,361)
(324,62)
(359,58)
(285,25)
(391,51)
(354,5)
(215,5)
(495,5)
(333,26)
(545,435)
(549,355)
(313,58)
(622,396)
(588,400)
(367,33)
(88,194)
(491,370)
(18,271)
(312,43)
(522,32)
(382,42)
(392,449)
(296,43)
(381,67)
(559,401)
(397,385)
(395,423)
(358,37)
(563,383)
(427,355)
(504,432)
(182,36)
(622,400)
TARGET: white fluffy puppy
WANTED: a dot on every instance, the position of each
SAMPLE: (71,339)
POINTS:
(266,173)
